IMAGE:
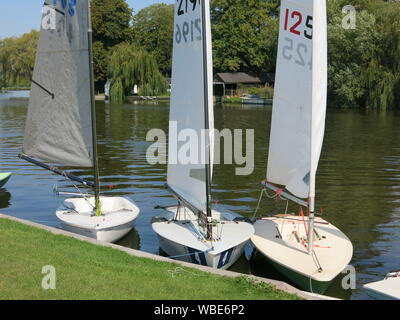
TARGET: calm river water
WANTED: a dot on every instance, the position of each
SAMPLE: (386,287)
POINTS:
(358,181)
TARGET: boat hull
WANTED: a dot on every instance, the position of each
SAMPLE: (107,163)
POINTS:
(107,234)
(177,240)
(222,260)
(256,101)
(119,214)
(387,289)
(282,240)
(4,177)
(301,281)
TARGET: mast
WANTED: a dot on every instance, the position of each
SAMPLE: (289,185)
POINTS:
(206,122)
(93,108)
(318,102)
(311,216)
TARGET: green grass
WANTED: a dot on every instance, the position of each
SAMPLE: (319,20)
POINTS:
(15,88)
(265,92)
(87,271)
(231,100)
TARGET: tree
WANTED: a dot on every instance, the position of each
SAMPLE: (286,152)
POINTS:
(364,62)
(153,29)
(100,61)
(111,20)
(131,65)
(17,59)
(245,35)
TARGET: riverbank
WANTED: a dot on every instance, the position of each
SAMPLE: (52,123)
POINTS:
(85,270)
(246,101)
(2,90)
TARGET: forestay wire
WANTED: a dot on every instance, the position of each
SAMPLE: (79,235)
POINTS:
(276,195)
(84,195)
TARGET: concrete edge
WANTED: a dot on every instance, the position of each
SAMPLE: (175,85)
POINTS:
(137,253)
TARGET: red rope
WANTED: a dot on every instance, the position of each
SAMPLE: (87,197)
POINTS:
(304,221)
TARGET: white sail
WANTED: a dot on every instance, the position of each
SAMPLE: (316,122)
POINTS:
(189,95)
(58,127)
(299,107)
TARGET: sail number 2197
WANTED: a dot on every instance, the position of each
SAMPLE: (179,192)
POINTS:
(188,31)
(186,6)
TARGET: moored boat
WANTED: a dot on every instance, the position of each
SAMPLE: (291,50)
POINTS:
(308,250)
(193,231)
(386,289)
(61,123)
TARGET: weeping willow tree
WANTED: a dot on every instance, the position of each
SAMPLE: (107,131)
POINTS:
(17,59)
(364,62)
(131,65)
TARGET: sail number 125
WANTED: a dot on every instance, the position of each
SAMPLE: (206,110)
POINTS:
(294,19)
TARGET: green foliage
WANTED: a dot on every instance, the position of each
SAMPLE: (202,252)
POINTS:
(364,62)
(153,28)
(245,35)
(100,60)
(264,92)
(111,20)
(17,59)
(231,100)
(131,65)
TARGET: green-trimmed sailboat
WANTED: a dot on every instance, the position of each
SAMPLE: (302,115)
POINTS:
(310,251)
(4,177)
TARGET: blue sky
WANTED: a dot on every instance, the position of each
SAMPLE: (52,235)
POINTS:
(21,16)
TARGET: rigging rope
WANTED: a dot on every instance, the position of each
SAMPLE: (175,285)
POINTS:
(179,270)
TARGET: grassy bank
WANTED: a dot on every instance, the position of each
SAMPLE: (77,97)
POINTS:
(15,89)
(87,271)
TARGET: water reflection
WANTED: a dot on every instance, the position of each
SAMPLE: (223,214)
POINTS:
(357,182)
(5,198)
(131,240)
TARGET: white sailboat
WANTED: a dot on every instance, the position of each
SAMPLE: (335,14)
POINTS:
(386,289)
(192,231)
(61,127)
(308,250)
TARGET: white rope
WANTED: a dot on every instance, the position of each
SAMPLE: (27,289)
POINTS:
(259,201)
(179,270)
(85,196)
(273,196)
(311,286)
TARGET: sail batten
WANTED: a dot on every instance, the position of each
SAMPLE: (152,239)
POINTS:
(299,107)
(191,109)
(58,127)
